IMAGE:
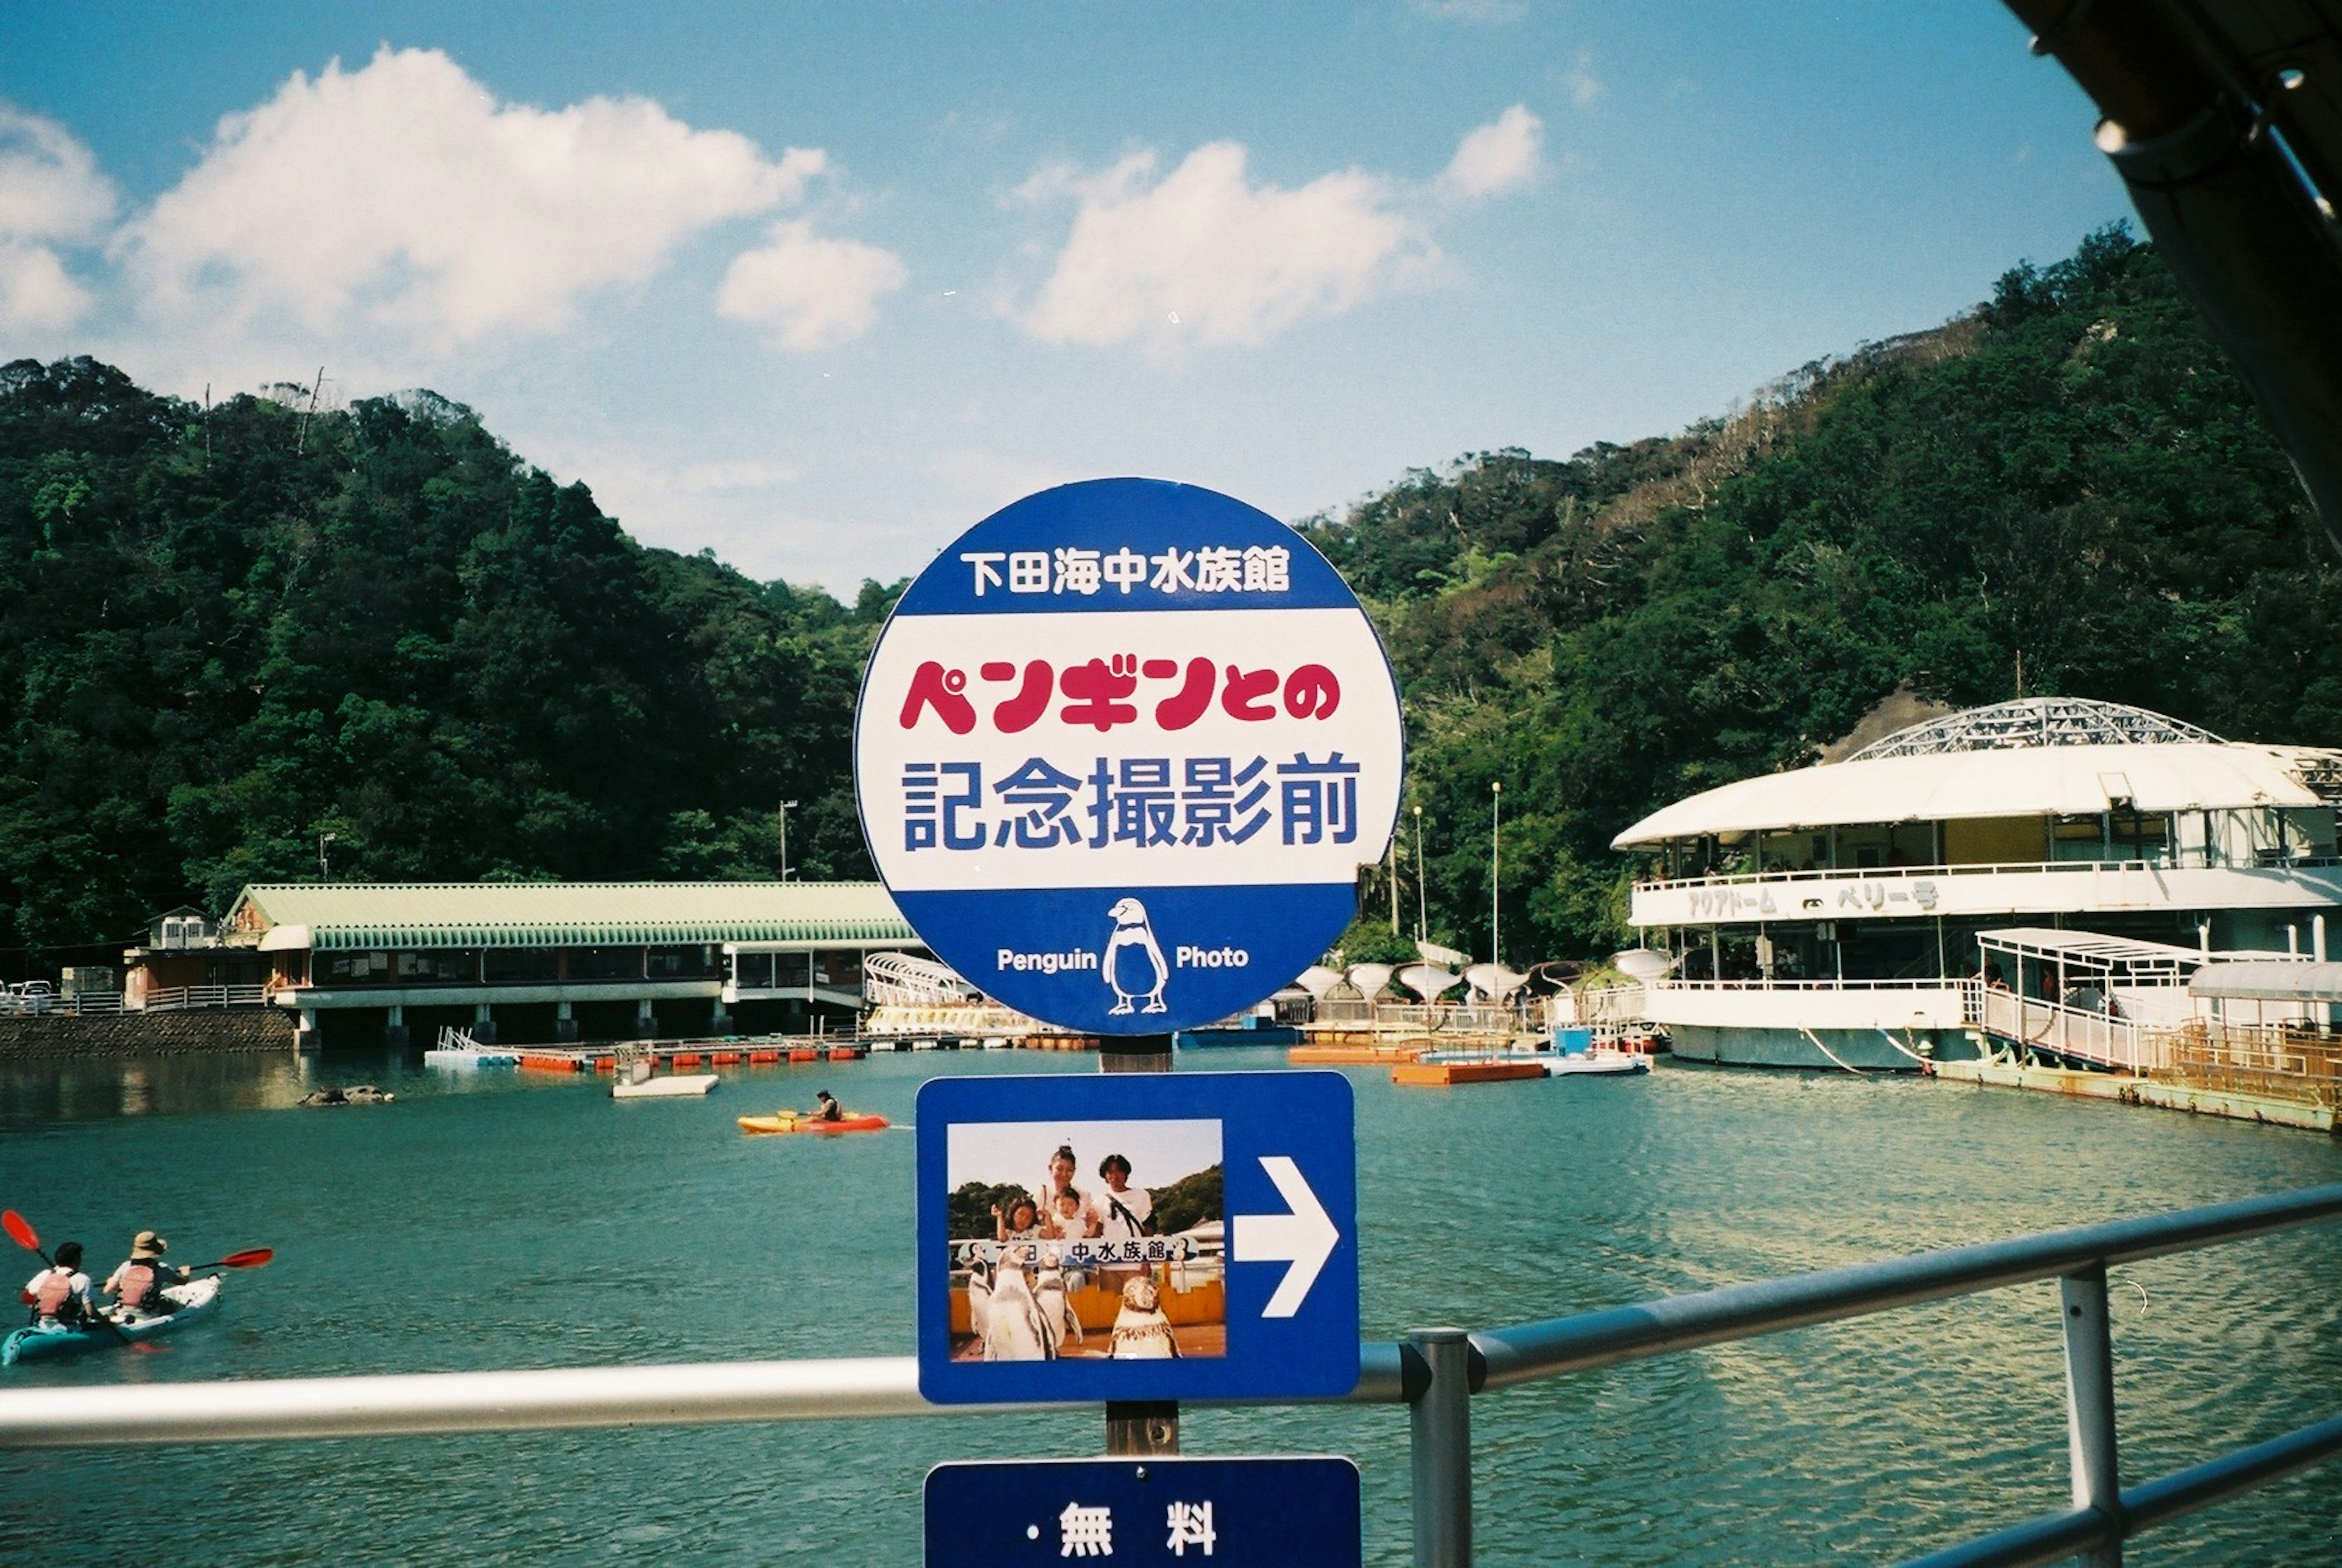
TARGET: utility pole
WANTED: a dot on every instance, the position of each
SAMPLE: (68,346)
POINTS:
(786,806)
(301,435)
(324,871)
(1421,922)
(1496,884)
(1390,860)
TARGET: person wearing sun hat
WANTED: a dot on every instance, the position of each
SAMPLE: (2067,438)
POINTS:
(139,1282)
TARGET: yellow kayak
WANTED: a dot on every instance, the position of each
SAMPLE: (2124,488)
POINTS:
(805,1122)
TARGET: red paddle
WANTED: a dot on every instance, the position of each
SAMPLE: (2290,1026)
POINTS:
(20,1231)
(250,1258)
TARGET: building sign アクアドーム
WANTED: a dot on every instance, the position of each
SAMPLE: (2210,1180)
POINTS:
(1120,752)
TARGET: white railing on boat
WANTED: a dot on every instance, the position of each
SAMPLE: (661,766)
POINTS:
(1998,868)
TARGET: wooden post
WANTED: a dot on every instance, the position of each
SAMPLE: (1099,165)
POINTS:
(1139,1426)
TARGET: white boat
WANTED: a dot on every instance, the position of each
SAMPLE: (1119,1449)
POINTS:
(1556,1063)
(674,1085)
(1595,1062)
(1852,914)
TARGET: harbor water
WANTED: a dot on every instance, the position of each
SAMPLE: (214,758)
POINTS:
(503,1220)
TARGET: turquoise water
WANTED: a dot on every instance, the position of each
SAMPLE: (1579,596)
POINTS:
(504,1220)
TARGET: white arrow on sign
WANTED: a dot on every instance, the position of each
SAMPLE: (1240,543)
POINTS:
(1305,1238)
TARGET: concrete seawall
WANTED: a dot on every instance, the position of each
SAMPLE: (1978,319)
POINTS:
(50,1036)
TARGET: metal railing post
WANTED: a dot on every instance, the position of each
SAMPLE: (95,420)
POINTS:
(1440,1428)
(2091,1405)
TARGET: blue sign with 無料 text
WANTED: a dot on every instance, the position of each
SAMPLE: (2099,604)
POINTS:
(1231,1513)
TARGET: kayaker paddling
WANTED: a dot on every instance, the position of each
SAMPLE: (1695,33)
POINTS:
(189,1300)
(829,1110)
(59,1295)
(138,1284)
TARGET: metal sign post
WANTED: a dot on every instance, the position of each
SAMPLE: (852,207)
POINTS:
(1120,752)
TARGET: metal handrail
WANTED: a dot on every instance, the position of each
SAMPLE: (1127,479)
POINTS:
(422,1403)
(1511,1355)
(2055,1535)
(1435,1372)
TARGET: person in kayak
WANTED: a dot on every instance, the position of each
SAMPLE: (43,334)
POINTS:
(828,1110)
(139,1282)
(59,1295)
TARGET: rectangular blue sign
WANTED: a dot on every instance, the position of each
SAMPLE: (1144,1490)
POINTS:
(1228,1513)
(1137,1236)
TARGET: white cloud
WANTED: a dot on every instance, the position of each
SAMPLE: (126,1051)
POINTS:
(51,195)
(1499,156)
(807,290)
(1204,253)
(404,198)
(1583,86)
(1472,10)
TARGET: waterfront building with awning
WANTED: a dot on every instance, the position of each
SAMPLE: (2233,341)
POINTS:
(544,962)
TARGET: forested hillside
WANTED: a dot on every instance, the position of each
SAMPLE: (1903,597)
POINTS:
(224,632)
(2071,470)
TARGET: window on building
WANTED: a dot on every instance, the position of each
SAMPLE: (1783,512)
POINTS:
(520,965)
(692,961)
(603,962)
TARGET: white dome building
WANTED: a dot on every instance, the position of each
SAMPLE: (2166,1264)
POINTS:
(1829,915)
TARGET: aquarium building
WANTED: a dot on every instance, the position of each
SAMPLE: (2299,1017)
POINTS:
(1831,914)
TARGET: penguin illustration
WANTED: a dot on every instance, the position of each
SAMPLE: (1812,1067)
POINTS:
(1131,931)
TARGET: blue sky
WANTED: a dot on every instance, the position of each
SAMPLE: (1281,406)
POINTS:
(817,287)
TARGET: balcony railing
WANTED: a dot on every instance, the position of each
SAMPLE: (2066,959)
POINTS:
(2273,861)
(188,998)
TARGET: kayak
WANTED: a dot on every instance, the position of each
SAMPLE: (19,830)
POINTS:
(804,1122)
(195,1300)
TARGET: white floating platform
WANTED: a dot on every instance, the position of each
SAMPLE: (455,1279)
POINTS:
(676,1086)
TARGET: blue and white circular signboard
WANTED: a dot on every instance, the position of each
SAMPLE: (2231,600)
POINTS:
(1121,751)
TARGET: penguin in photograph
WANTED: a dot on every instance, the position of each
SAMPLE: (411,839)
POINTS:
(1133,963)
(979,1293)
(1141,1331)
(1059,1322)
(1013,1330)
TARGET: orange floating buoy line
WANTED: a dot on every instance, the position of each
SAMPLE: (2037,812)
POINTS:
(686,1055)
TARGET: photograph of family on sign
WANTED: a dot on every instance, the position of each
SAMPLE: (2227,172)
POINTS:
(1097,1239)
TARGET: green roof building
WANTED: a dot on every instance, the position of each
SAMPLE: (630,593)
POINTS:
(533,962)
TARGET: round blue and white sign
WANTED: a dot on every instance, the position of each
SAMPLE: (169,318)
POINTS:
(1121,751)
